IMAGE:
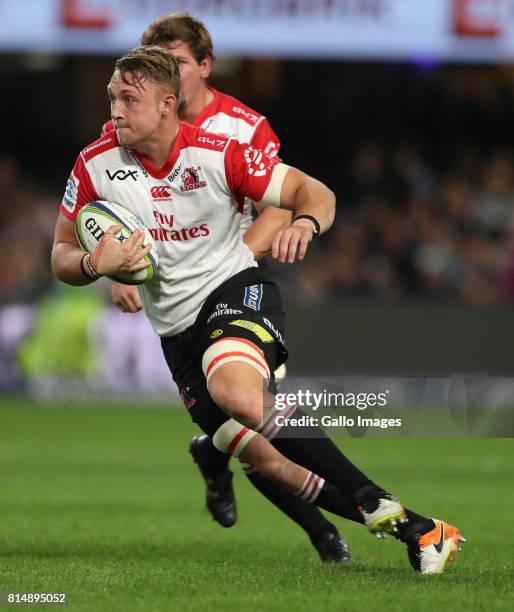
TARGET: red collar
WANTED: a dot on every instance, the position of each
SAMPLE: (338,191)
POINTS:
(164,170)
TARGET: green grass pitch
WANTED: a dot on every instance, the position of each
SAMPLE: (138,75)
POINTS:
(105,504)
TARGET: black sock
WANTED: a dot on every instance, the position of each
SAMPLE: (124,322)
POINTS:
(311,448)
(416,524)
(304,514)
(329,498)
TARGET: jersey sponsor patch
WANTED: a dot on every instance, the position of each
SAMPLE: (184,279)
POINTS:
(253,296)
(69,200)
(160,192)
(191,179)
(257,329)
(223,309)
(257,165)
(121,174)
(275,331)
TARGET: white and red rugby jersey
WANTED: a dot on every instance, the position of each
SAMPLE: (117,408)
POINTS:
(192,207)
(228,116)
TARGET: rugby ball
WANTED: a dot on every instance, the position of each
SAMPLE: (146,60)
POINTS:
(95,218)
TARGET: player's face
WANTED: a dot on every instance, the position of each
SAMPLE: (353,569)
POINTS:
(192,73)
(135,111)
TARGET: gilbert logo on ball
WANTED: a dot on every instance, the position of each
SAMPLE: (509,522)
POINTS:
(95,218)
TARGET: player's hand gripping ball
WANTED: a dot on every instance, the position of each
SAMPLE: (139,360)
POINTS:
(93,221)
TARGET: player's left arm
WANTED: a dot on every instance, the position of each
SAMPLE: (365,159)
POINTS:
(251,173)
(264,228)
(313,206)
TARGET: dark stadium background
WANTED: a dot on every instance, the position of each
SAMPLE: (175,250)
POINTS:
(420,158)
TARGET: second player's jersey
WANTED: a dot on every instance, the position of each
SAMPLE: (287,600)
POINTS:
(228,116)
(191,205)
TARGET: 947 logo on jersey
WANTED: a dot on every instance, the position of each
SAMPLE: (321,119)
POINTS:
(191,179)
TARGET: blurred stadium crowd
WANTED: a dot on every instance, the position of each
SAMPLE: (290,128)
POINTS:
(403,229)
(407,229)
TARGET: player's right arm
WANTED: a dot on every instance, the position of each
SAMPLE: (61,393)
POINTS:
(110,256)
(67,255)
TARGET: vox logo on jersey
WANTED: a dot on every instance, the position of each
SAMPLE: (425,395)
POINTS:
(122,175)
(160,193)
(191,179)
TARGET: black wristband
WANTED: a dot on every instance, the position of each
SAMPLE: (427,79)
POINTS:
(93,273)
(87,270)
(83,270)
(317,228)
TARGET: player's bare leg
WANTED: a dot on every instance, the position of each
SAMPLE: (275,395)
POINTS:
(238,389)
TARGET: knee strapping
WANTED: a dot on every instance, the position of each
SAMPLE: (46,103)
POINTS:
(232,437)
(234,349)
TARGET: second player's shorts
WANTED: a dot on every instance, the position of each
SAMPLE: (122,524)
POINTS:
(246,306)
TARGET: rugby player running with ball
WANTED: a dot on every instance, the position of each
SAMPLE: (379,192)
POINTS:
(198,302)
(190,43)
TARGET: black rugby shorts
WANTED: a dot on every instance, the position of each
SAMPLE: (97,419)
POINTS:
(247,306)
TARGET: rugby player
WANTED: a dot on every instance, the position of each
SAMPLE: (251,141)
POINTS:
(219,315)
(187,39)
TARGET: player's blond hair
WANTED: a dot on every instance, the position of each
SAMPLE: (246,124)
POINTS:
(152,63)
(180,26)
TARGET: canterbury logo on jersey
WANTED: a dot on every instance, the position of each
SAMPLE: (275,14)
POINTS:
(160,192)
(160,234)
(121,175)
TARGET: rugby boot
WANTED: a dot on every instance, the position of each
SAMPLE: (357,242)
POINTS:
(219,494)
(380,510)
(331,547)
(428,552)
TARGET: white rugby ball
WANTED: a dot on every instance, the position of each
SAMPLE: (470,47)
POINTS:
(95,218)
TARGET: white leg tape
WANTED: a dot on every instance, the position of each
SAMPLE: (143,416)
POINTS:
(311,487)
(234,349)
(268,426)
(232,437)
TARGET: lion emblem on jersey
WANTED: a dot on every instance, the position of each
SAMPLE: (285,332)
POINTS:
(191,179)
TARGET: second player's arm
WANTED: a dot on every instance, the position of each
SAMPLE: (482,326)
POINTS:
(259,236)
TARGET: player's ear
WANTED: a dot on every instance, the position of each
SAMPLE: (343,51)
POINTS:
(168,103)
(206,67)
